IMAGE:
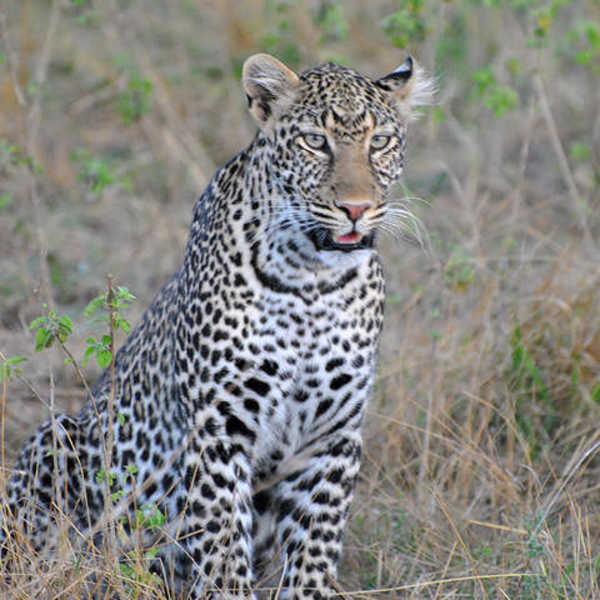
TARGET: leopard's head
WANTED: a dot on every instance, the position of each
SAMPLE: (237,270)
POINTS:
(337,141)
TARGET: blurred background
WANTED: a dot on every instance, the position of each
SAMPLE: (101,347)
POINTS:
(481,472)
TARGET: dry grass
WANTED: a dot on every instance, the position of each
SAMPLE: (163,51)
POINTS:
(481,471)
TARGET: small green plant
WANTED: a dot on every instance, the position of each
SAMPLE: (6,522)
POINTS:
(102,476)
(279,38)
(134,566)
(110,480)
(581,44)
(538,585)
(51,329)
(498,98)
(102,347)
(330,18)
(12,155)
(148,516)
(523,365)
(407,25)
(90,18)
(459,272)
(535,412)
(533,525)
(94,171)
(452,49)
(99,347)
(121,300)
(596,393)
(8,367)
(136,100)
(5,201)
(136,569)
(579,152)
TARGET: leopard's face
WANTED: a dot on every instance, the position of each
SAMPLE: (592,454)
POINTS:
(338,142)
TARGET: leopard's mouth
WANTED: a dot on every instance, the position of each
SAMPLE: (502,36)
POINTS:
(323,239)
(348,238)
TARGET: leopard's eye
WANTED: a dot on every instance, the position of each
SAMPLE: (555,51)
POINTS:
(315,141)
(379,142)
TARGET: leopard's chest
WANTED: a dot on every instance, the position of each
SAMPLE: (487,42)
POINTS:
(273,369)
(308,367)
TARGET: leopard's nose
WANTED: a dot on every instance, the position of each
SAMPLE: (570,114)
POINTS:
(355,211)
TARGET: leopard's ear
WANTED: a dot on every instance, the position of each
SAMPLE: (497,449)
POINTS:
(409,86)
(270,87)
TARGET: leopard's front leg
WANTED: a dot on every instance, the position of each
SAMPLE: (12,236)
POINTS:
(313,506)
(217,520)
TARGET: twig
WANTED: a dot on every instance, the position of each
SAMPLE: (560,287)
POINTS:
(567,478)
(175,133)
(437,582)
(111,538)
(34,117)
(563,163)
(111,397)
(3,494)
(445,571)
(79,372)
(523,158)
(41,75)
(460,540)
(31,136)
(11,62)
(283,572)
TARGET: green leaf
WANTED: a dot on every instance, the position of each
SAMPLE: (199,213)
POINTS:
(517,349)
(123,293)
(103,358)
(596,394)
(116,496)
(5,200)
(483,79)
(43,339)
(94,305)
(67,323)
(15,360)
(37,322)
(579,152)
(87,355)
(501,99)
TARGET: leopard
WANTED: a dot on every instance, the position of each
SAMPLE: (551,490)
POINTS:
(238,400)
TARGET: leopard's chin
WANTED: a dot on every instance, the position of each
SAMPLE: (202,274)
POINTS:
(323,239)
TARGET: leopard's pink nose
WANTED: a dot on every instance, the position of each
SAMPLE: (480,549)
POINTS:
(355,211)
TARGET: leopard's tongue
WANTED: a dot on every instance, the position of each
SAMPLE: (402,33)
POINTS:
(348,238)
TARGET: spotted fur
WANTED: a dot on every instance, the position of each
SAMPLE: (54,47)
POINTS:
(239,397)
